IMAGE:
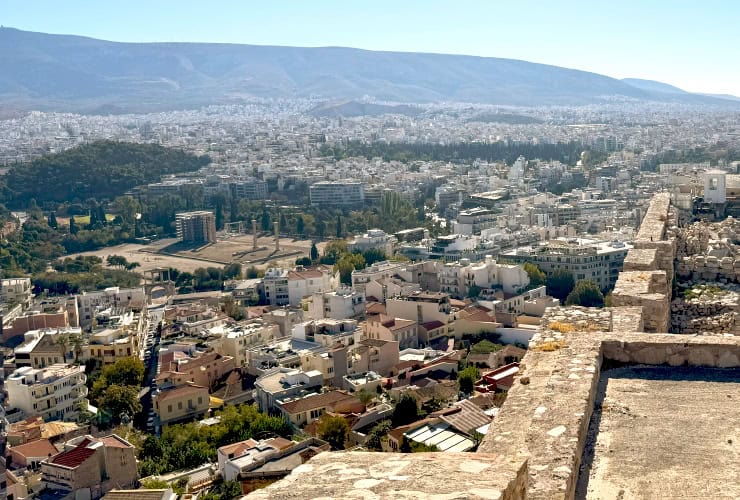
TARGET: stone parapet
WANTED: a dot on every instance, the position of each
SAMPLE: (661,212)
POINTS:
(649,290)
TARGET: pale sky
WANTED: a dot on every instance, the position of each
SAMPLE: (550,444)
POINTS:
(690,44)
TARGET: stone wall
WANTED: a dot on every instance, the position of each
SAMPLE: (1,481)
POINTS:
(708,268)
(649,290)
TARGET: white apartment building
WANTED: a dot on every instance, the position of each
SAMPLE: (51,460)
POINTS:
(337,194)
(457,278)
(374,239)
(236,341)
(342,303)
(390,287)
(600,261)
(89,302)
(55,392)
(284,287)
(474,220)
(378,271)
(16,291)
(275,282)
(329,332)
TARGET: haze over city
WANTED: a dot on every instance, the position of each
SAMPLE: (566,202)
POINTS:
(304,250)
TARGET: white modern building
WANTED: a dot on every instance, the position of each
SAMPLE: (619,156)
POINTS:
(89,303)
(16,291)
(342,303)
(457,278)
(337,194)
(374,239)
(237,340)
(284,287)
(54,393)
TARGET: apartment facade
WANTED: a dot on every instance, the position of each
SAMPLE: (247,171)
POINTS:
(178,404)
(16,291)
(343,194)
(343,303)
(54,393)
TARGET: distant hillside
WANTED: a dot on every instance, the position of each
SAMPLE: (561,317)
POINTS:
(101,170)
(354,108)
(62,72)
(653,86)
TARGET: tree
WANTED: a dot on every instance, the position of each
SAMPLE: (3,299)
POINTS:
(333,430)
(375,437)
(224,490)
(73,229)
(283,223)
(265,220)
(536,276)
(586,294)
(365,396)
(373,255)
(314,252)
(53,220)
(559,284)
(467,379)
(348,263)
(252,273)
(299,227)
(120,400)
(340,231)
(320,228)
(405,411)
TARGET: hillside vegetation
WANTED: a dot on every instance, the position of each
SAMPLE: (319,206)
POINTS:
(101,170)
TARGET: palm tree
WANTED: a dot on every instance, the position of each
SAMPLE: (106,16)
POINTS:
(63,342)
(77,343)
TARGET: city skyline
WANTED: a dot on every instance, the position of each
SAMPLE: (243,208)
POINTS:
(678,43)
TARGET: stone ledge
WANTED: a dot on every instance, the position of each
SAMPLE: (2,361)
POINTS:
(412,476)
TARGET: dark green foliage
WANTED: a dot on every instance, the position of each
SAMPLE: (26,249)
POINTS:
(467,379)
(189,445)
(300,227)
(333,430)
(73,229)
(373,255)
(83,274)
(376,434)
(53,220)
(252,273)
(405,411)
(303,261)
(102,169)
(485,347)
(223,490)
(586,294)
(559,284)
(536,276)
(314,252)
(116,390)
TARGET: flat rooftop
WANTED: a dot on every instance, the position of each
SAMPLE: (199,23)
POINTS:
(663,432)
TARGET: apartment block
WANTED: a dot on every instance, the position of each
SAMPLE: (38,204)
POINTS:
(196,227)
(54,393)
(337,194)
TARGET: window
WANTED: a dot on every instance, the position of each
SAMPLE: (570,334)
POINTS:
(179,405)
(169,408)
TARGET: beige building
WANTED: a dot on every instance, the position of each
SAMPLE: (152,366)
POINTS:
(430,310)
(122,337)
(178,404)
(236,341)
(42,348)
(16,291)
(403,331)
(90,303)
(203,369)
(91,466)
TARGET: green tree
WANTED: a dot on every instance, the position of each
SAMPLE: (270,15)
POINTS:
(224,490)
(587,294)
(333,430)
(320,228)
(467,379)
(299,227)
(252,272)
(559,284)
(73,229)
(53,220)
(375,437)
(314,252)
(536,276)
(340,231)
(265,220)
(119,400)
(373,255)
(348,263)
(405,411)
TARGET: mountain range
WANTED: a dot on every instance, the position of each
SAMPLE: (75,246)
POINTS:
(73,73)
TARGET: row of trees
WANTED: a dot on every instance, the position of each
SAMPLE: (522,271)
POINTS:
(188,445)
(561,285)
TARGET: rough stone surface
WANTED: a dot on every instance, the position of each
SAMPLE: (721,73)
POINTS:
(413,476)
(662,432)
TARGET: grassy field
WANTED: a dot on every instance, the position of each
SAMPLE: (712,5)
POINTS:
(85,219)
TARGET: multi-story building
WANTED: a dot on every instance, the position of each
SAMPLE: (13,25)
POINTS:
(236,341)
(91,466)
(16,291)
(181,403)
(458,278)
(430,310)
(121,336)
(600,261)
(196,227)
(403,331)
(304,282)
(61,313)
(90,303)
(337,194)
(474,220)
(284,383)
(376,239)
(342,303)
(275,282)
(248,189)
(42,348)
(378,271)
(54,393)
(329,332)
(201,368)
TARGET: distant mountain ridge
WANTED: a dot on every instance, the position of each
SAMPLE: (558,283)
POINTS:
(64,72)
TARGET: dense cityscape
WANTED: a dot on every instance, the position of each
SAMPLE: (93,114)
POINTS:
(330,298)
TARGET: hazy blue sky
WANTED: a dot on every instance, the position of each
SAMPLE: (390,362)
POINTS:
(691,44)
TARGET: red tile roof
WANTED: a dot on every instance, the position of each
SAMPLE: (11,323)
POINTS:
(35,449)
(74,457)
